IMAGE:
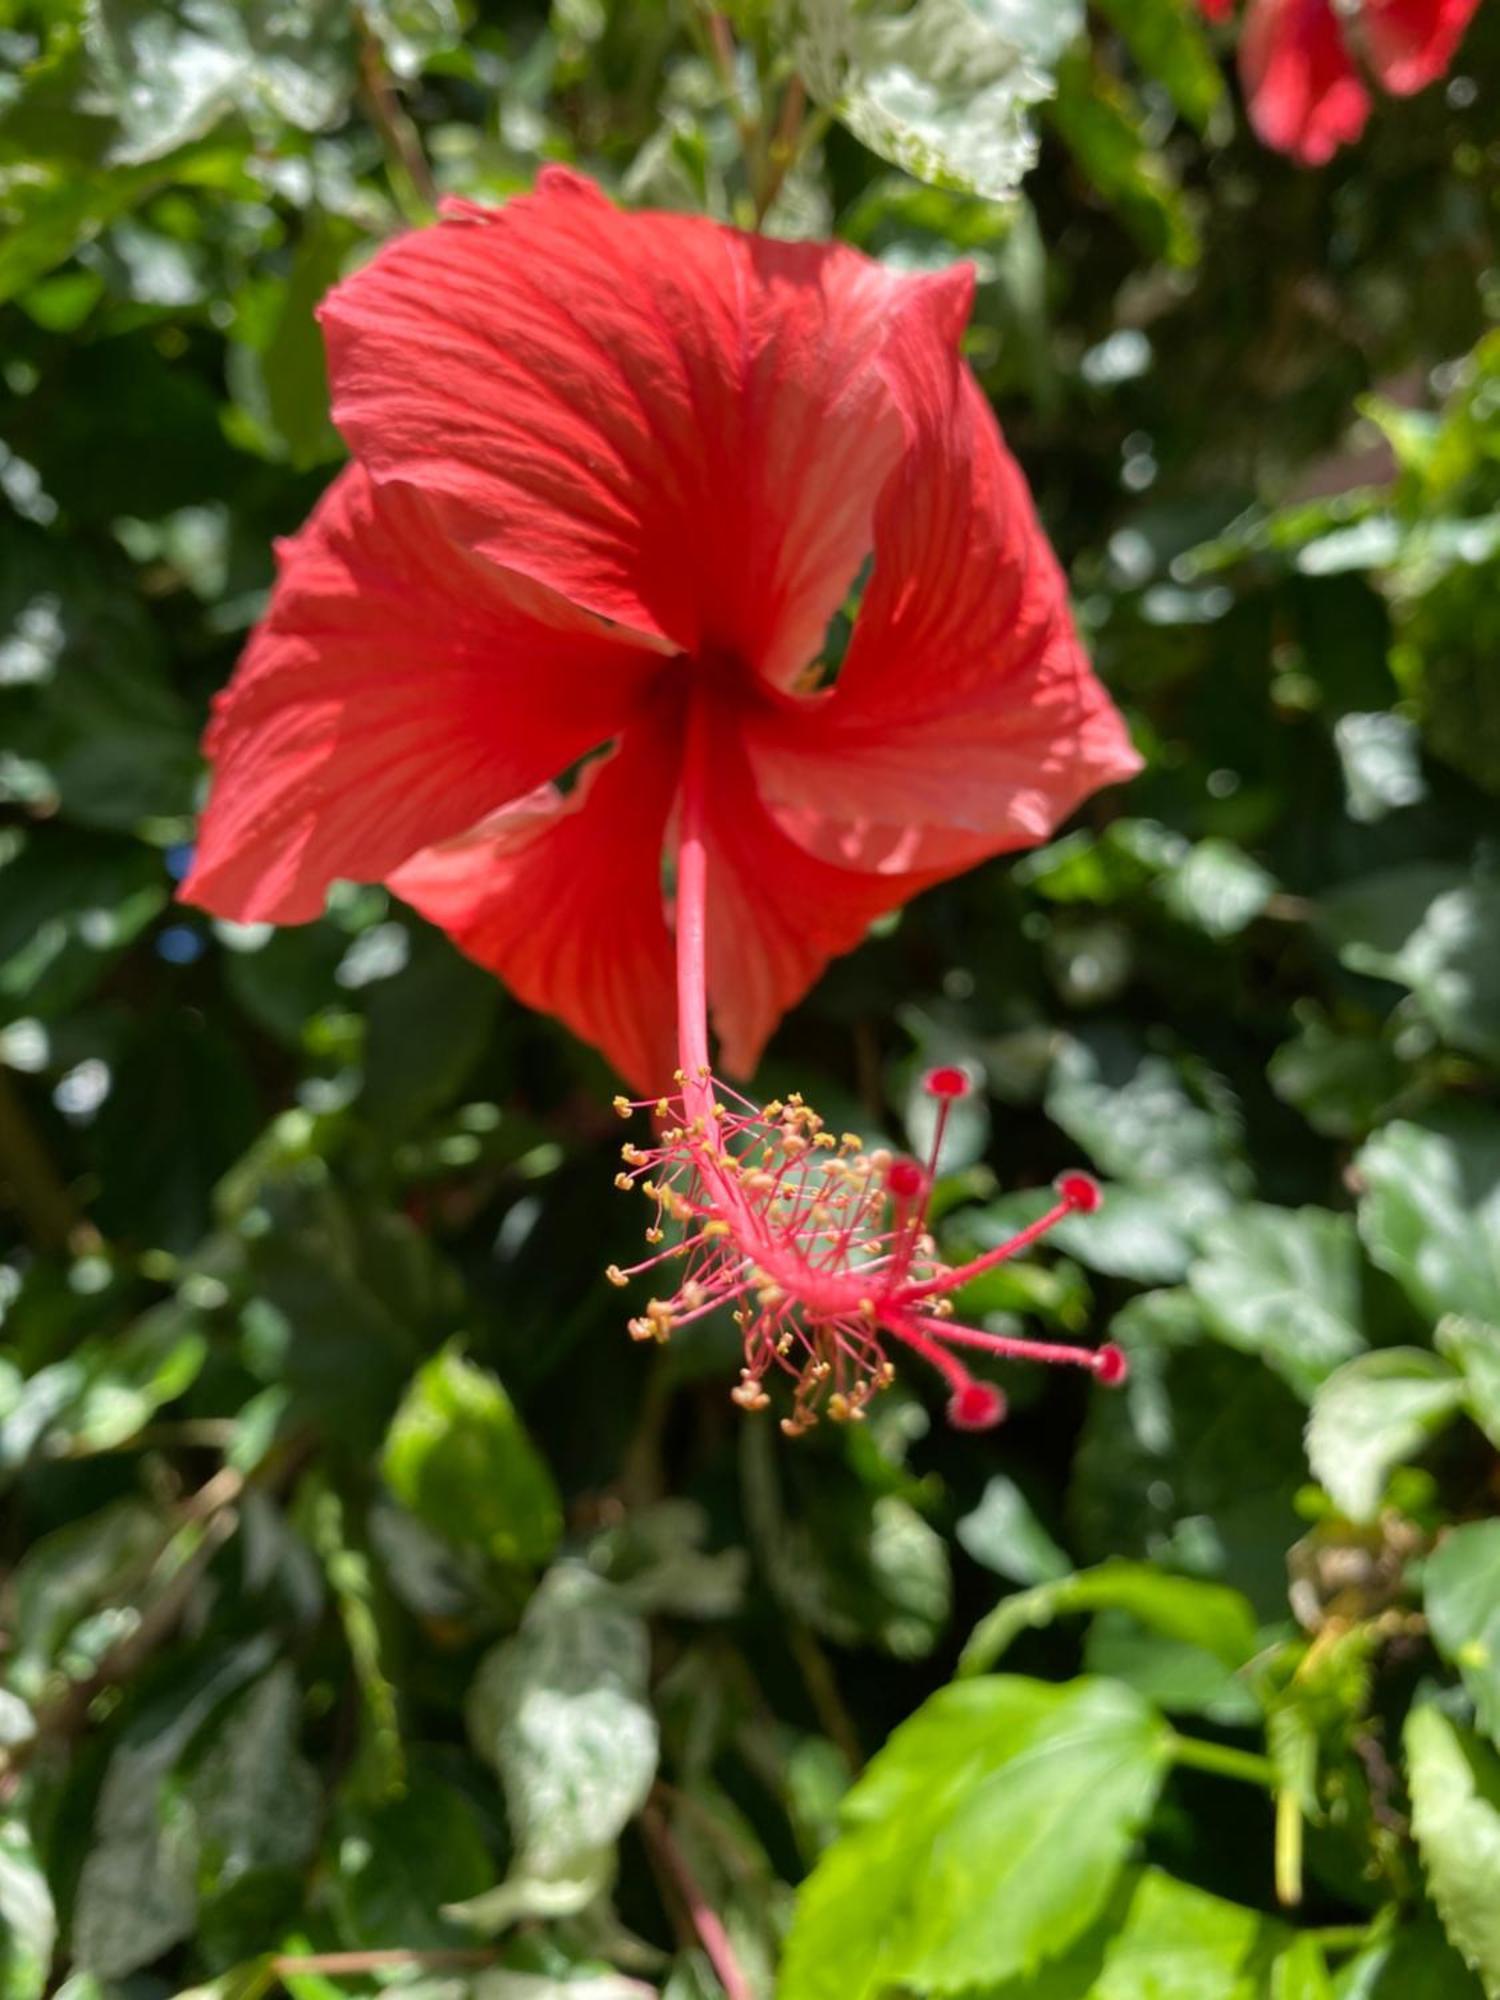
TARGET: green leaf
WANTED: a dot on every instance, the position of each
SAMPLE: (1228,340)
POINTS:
(137,1893)
(1301,1973)
(1455,1796)
(170,72)
(1005,1535)
(951,1870)
(1167,41)
(1201,1614)
(1178,1676)
(1474,1349)
(61,209)
(857,1564)
(1160,1940)
(1102,123)
(1373,1414)
(28,1922)
(1285,1284)
(561,1711)
(1431,1213)
(1218,889)
(1427,928)
(459,1457)
(1341,1083)
(1382,760)
(136,1374)
(940,88)
(1461,1593)
(1418,1963)
(64,1578)
(1141,1234)
(292,363)
(1196,1462)
(247,1981)
(69,906)
(412,32)
(396,1865)
(1144,1119)
(657,1562)
(254,1798)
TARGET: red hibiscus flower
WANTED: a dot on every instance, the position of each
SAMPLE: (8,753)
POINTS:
(610,469)
(1299,61)
(556,634)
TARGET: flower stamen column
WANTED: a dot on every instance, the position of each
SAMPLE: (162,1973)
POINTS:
(820,1246)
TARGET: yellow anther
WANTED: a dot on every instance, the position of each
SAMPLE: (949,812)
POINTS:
(615,1275)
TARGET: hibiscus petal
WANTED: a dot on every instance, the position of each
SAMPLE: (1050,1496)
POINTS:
(1410,43)
(562,897)
(399,689)
(674,425)
(966,718)
(1303,91)
(777,913)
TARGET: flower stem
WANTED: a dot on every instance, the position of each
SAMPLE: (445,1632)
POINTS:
(1223,1761)
(692,917)
(704,1918)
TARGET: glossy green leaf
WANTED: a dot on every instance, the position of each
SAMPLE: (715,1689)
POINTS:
(171,73)
(941,89)
(28,1921)
(561,1713)
(1180,1607)
(948,1873)
(1284,1284)
(1301,1973)
(1373,1414)
(459,1457)
(1474,1349)
(1461,1595)
(400,1863)
(1430,1214)
(1005,1535)
(1102,124)
(1455,1795)
(138,1891)
(1436,933)
(1167,41)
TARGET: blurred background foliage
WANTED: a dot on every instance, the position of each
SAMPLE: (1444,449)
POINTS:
(374,1612)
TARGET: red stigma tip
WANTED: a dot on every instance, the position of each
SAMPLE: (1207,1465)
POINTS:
(905,1180)
(976,1407)
(1081,1192)
(948,1081)
(1111,1366)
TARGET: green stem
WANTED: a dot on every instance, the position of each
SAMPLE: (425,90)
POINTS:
(1222,1761)
(1342,1937)
(1288,1850)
